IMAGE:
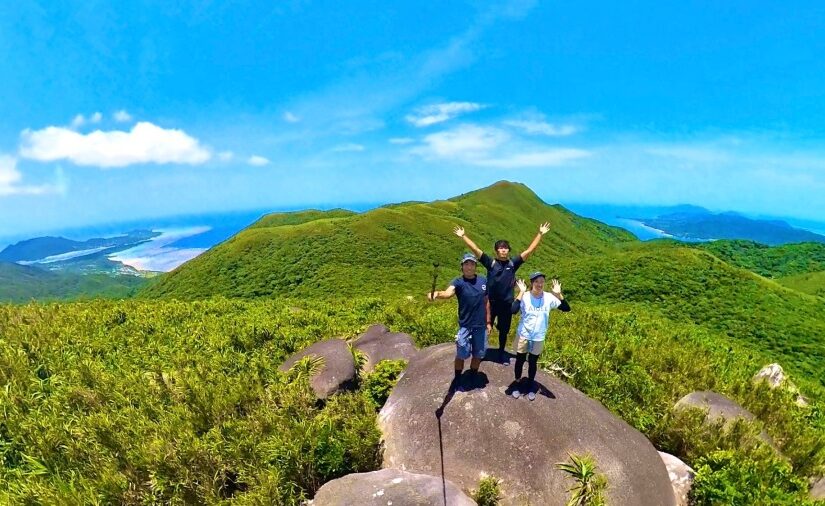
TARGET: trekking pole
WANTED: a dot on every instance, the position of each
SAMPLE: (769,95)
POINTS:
(435,277)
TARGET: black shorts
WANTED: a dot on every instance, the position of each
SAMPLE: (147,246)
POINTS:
(501,316)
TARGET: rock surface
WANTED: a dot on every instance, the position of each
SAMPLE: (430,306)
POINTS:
(772,373)
(378,344)
(681,477)
(718,406)
(518,441)
(818,488)
(390,487)
(337,371)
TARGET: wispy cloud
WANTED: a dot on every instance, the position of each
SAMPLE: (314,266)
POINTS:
(291,118)
(144,143)
(349,147)
(10,178)
(401,140)
(122,116)
(486,146)
(257,161)
(538,127)
(439,113)
(226,156)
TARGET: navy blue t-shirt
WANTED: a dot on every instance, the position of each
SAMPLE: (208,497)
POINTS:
(472,306)
(502,276)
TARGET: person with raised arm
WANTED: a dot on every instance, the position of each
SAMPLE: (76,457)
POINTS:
(501,274)
(473,318)
(535,307)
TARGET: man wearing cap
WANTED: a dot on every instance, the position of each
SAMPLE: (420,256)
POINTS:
(501,272)
(535,310)
(473,316)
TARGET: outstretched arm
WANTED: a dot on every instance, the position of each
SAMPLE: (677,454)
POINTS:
(543,229)
(522,287)
(556,291)
(441,294)
(459,231)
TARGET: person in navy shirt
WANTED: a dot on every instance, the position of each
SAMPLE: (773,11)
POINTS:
(473,316)
(501,273)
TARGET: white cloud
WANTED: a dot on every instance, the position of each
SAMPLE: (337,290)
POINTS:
(466,142)
(402,140)
(78,121)
(492,147)
(10,178)
(291,118)
(122,116)
(225,156)
(348,148)
(439,113)
(257,161)
(534,127)
(145,143)
(96,118)
(541,158)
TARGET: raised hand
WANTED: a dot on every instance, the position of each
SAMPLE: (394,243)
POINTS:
(556,286)
(459,231)
(522,286)
(544,228)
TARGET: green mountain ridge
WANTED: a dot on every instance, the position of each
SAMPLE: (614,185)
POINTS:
(391,248)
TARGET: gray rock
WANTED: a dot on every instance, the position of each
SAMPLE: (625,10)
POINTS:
(718,408)
(681,477)
(390,487)
(818,488)
(486,431)
(378,344)
(336,373)
(772,373)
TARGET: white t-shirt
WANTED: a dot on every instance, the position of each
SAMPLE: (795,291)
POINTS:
(535,315)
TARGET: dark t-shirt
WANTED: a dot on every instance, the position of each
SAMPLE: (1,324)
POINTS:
(502,276)
(472,306)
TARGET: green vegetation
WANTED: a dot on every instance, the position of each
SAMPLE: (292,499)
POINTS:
(591,486)
(770,261)
(164,401)
(488,492)
(378,384)
(812,283)
(20,283)
(726,477)
(378,252)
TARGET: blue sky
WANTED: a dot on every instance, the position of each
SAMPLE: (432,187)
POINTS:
(115,112)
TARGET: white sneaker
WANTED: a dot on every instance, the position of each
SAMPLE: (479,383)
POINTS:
(531,396)
(516,394)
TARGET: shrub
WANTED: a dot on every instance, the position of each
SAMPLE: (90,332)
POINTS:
(378,384)
(488,492)
(590,486)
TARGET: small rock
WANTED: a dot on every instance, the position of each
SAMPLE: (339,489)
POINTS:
(681,477)
(818,488)
(772,373)
(378,344)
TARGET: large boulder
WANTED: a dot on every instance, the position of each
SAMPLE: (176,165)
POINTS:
(719,408)
(485,431)
(378,344)
(390,486)
(681,477)
(337,371)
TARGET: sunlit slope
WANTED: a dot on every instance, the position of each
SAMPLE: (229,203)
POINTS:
(386,250)
(686,284)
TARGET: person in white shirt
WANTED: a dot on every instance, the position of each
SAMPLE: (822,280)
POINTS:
(535,307)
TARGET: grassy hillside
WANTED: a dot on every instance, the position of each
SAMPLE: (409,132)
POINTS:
(385,250)
(689,285)
(812,283)
(770,261)
(138,402)
(20,283)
